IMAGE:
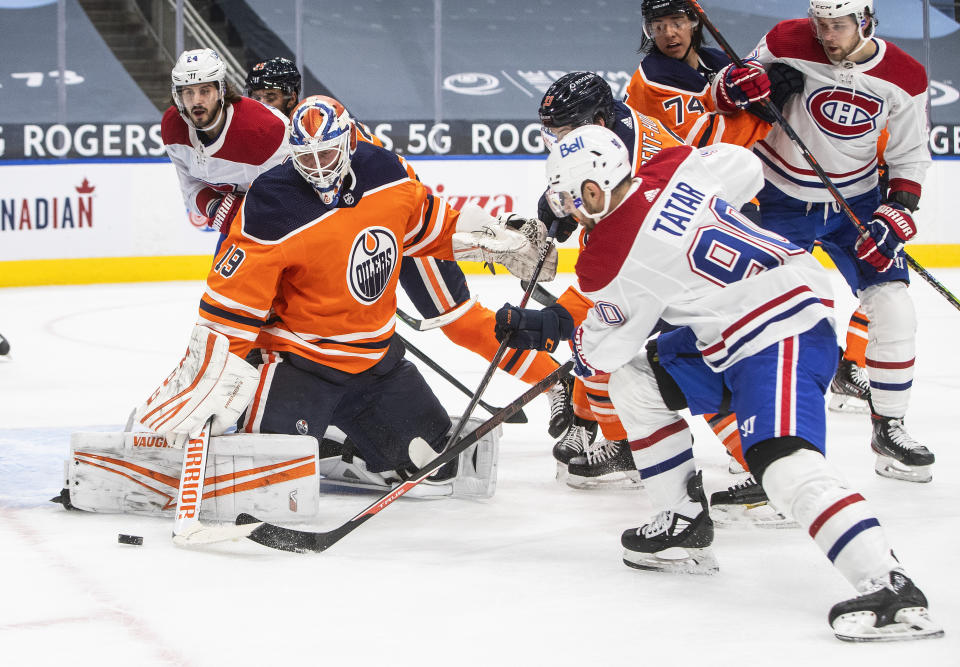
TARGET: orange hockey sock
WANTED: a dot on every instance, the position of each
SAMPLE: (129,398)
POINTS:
(724,424)
(857,339)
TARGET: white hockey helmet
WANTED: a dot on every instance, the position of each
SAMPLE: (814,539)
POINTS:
(586,153)
(322,139)
(197,66)
(861,10)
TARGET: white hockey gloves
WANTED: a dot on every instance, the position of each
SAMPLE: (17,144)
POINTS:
(209,381)
(483,238)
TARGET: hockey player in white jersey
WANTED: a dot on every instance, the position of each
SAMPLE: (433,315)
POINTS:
(852,85)
(755,321)
(218,141)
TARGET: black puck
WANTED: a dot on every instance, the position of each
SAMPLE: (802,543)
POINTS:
(136,540)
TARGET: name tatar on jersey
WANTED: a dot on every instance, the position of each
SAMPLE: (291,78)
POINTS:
(372,262)
(674,211)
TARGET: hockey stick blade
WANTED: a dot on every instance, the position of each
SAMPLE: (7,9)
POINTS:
(203,534)
(439,321)
(540,294)
(302,541)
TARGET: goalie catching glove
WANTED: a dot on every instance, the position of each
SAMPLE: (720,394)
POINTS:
(891,227)
(509,240)
(209,381)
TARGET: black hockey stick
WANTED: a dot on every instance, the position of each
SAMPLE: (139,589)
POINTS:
(519,418)
(812,161)
(540,294)
(302,541)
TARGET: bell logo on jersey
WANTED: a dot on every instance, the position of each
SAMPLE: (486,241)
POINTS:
(844,113)
(372,262)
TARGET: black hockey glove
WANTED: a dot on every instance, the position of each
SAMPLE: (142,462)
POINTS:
(785,82)
(533,329)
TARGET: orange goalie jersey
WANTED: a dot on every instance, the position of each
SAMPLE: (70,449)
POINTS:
(320,282)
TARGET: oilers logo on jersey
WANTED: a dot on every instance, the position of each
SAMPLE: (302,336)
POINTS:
(844,113)
(372,262)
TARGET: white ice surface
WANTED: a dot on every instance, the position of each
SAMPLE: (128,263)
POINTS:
(532,577)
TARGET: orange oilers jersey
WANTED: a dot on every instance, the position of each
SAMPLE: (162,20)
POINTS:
(675,93)
(320,282)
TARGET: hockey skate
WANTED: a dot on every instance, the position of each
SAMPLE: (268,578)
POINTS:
(604,464)
(574,442)
(673,542)
(892,608)
(746,504)
(561,406)
(850,389)
(899,456)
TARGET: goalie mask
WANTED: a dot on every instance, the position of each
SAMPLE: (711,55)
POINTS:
(575,99)
(587,153)
(322,139)
(196,67)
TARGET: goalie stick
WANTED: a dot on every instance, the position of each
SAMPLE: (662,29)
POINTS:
(519,418)
(540,294)
(187,529)
(812,161)
(301,541)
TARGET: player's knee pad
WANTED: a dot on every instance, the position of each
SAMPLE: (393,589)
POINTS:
(893,318)
(762,454)
(801,484)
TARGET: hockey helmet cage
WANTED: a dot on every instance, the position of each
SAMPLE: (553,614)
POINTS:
(587,153)
(274,74)
(861,10)
(322,140)
(573,100)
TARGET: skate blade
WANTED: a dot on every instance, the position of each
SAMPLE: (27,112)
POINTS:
(562,472)
(761,515)
(909,623)
(850,405)
(613,480)
(891,468)
(675,560)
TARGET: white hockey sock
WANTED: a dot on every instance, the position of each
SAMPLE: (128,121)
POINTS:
(665,461)
(838,519)
(891,346)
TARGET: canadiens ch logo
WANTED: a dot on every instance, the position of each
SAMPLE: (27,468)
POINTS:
(844,113)
(372,261)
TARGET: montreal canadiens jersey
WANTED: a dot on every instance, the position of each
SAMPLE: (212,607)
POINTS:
(644,137)
(253,139)
(676,248)
(320,282)
(679,96)
(840,115)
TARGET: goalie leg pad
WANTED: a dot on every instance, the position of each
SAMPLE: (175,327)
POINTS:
(139,473)
(209,381)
